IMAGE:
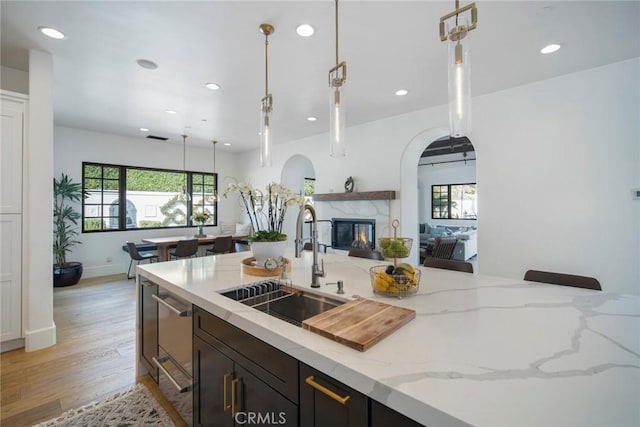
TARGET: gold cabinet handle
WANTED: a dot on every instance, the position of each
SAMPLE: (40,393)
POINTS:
(233,396)
(310,380)
(226,405)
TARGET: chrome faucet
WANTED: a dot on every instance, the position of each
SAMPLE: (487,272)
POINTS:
(316,271)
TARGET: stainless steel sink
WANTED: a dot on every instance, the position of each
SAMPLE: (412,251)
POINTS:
(283,302)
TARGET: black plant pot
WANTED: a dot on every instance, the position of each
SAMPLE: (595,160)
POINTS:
(67,275)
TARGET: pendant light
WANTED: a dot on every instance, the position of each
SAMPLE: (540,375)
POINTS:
(337,78)
(459,67)
(266,104)
(215,187)
(184,195)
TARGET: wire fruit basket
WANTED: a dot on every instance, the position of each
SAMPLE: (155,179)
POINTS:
(395,247)
(400,279)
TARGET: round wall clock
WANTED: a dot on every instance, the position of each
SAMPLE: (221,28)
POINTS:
(349,184)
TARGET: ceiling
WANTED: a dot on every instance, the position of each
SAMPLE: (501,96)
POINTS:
(388,45)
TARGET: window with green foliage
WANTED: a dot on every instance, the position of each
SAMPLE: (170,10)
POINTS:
(454,201)
(126,197)
(309,187)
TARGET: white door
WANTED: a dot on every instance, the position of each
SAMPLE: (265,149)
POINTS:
(10,276)
(11,156)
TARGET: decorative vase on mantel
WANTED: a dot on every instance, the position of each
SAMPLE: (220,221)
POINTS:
(200,231)
(263,250)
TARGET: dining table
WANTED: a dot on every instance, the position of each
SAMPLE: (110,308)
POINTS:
(164,243)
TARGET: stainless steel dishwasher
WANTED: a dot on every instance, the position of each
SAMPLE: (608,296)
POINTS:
(174,359)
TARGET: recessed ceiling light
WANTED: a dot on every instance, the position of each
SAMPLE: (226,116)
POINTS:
(145,63)
(550,49)
(212,86)
(305,30)
(312,118)
(402,92)
(144,130)
(170,112)
(51,32)
(227,144)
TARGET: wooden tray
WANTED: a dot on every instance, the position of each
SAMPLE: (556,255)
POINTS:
(254,270)
(360,323)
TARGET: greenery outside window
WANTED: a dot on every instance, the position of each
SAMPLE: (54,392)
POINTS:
(454,201)
(127,198)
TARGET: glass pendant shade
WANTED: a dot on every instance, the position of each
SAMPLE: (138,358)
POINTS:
(184,195)
(459,87)
(266,104)
(337,122)
(214,196)
(265,134)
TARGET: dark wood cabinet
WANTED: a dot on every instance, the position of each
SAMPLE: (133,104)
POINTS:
(383,416)
(327,402)
(240,380)
(148,342)
(212,372)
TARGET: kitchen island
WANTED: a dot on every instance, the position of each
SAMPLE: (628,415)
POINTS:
(482,350)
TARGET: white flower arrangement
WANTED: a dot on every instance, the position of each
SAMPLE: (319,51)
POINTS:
(266,210)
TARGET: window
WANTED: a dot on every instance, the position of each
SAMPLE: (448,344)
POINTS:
(309,187)
(453,201)
(126,197)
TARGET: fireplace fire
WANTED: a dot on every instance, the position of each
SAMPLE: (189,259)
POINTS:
(348,233)
(361,241)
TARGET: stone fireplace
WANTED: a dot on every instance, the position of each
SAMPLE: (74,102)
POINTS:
(351,232)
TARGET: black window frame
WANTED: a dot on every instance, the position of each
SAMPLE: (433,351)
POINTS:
(122,196)
(438,202)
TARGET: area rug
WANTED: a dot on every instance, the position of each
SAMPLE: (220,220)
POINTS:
(133,407)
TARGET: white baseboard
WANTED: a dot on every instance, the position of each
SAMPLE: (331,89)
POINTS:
(40,338)
(105,270)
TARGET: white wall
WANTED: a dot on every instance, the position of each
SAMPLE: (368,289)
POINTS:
(14,80)
(73,146)
(40,330)
(556,162)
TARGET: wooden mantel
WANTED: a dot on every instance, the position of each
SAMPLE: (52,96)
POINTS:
(360,195)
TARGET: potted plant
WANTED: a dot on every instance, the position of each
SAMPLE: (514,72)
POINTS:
(266,211)
(65,222)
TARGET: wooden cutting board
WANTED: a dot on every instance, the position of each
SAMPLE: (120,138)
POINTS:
(360,323)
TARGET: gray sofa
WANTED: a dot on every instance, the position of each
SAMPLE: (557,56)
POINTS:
(467,246)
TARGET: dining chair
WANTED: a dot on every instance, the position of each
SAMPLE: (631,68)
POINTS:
(185,249)
(443,247)
(365,253)
(562,279)
(138,256)
(222,245)
(448,264)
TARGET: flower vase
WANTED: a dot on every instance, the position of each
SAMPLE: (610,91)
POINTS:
(264,250)
(200,231)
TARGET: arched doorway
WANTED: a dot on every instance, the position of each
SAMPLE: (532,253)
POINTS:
(409,188)
(447,196)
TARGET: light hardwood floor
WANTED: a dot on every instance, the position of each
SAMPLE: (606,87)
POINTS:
(94,356)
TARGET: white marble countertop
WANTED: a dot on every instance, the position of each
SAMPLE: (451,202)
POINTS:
(482,350)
